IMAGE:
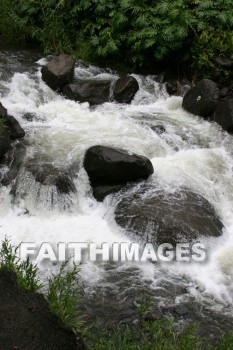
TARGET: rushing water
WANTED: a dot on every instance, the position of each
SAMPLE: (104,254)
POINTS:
(192,153)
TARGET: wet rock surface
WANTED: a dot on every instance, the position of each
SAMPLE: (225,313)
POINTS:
(125,89)
(111,164)
(102,191)
(166,217)
(108,168)
(14,160)
(59,71)
(95,91)
(10,129)
(27,323)
(5,141)
(3,111)
(16,131)
(49,175)
(224,114)
(202,99)
(223,61)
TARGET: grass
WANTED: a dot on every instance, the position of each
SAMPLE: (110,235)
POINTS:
(64,295)
(150,335)
(26,272)
(63,290)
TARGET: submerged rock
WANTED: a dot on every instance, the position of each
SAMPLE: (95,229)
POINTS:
(49,175)
(94,91)
(16,131)
(58,72)
(27,322)
(158,216)
(102,191)
(224,115)
(172,87)
(14,160)
(125,89)
(5,141)
(202,99)
(223,61)
(159,129)
(3,111)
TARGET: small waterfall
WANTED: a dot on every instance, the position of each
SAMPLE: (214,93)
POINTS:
(190,152)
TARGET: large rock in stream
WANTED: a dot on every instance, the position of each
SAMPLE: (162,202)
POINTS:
(27,323)
(202,99)
(109,169)
(10,129)
(224,115)
(94,91)
(125,89)
(59,72)
(105,165)
(14,159)
(5,141)
(49,175)
(15,129)
(158,216)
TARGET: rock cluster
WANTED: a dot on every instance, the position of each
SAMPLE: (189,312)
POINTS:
(59,75)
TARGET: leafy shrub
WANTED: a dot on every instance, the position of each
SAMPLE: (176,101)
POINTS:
(64,295)
(135,32)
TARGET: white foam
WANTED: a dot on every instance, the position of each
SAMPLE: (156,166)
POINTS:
(192,152)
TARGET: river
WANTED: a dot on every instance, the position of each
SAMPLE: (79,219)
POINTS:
(191,152)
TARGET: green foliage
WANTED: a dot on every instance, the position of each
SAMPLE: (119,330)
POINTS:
(135,32)
(210,44)
(11,22)
(226,343)
(25,271)
(63,292)
(64,296)
(151,335)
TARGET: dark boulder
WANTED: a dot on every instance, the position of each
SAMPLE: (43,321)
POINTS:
(49,175)
(58,72)
(106,165)
(125,89)
(27,322)
(183,89)
(223,61)
(159,129)
(157,216)
(172,87)
(16,131)
(29,117)
(202,99)
(178,88)
(94,91)
(5,141)
(109,169)
(102,191)
(224,92)
(224,115)
(14,160)
(3,111)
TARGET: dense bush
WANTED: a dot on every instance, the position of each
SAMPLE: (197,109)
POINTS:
(134,32)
